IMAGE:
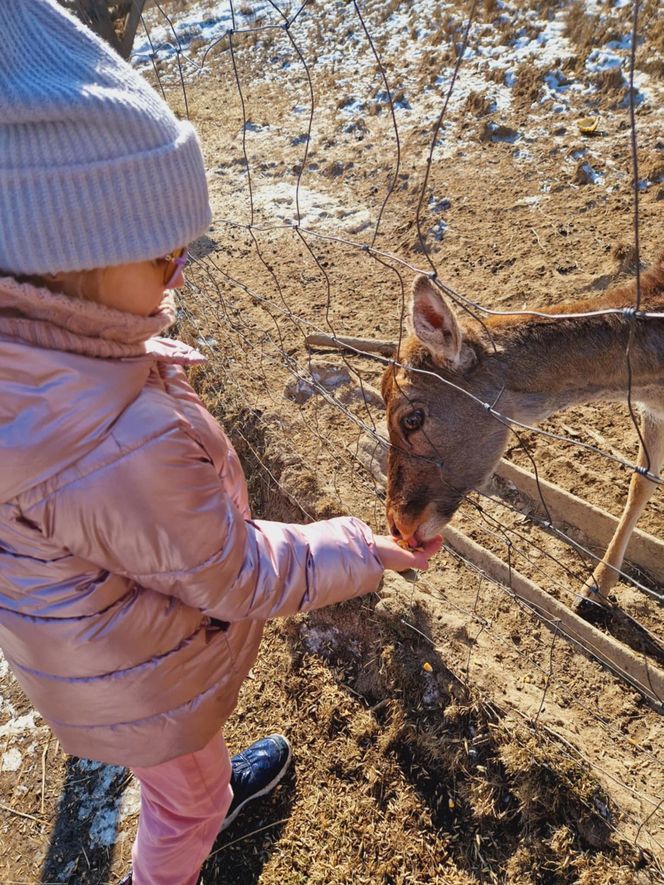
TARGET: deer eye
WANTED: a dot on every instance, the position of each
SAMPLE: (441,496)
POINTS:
(412,421)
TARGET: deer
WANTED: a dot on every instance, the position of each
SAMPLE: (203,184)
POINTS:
(458,386)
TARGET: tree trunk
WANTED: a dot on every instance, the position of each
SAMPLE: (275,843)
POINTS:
(116,23)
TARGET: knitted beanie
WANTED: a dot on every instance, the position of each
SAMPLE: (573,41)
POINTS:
(95,170)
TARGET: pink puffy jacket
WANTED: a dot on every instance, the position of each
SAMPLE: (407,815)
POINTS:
(133,583)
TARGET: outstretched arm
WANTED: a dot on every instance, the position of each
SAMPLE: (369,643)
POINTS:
(159,515)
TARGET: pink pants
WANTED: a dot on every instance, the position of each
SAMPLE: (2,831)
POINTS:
(183,803)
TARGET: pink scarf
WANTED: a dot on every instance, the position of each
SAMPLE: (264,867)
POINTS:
(43,318)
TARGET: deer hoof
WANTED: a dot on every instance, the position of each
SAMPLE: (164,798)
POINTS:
(589,610)
(592,605)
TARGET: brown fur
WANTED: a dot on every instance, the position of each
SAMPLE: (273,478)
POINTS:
(651,290)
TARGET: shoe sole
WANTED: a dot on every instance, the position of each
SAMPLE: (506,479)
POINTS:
(273,783)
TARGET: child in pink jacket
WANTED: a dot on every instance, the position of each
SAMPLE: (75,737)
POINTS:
(134,583)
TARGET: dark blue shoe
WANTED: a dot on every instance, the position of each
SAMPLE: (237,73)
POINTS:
(256,771)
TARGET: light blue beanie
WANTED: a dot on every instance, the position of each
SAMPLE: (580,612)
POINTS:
(95,169)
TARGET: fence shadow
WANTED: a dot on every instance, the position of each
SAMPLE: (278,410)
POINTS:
(81,845)
(240,852)
(483,781)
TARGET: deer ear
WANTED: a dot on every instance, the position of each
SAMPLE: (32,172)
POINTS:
(434,323)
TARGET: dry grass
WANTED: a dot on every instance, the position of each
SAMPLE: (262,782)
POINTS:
(528,83)
(587,31)
(651,54)
(478,104)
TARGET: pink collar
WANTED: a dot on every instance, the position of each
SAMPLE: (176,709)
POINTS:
(38,316)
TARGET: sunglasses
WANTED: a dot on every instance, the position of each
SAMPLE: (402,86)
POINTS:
(174,262)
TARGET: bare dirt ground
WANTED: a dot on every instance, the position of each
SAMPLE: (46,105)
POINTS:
(441,732)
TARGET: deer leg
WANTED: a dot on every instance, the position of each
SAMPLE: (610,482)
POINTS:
(606,576)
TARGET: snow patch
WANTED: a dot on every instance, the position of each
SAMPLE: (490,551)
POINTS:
(130,803)
(279,201)
(20,725)
(602,60)
(99,805)
(11,760)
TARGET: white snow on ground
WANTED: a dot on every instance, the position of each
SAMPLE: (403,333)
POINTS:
(16,728)
(325,640)
(11,760)
(98,806)
(317,639)
(103,811)
(189,34)
(405,37)
(19,725)
(278,201)
(130,802)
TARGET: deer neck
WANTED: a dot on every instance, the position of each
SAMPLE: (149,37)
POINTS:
(539,368)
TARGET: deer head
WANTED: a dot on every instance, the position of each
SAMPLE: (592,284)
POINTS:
(443,442)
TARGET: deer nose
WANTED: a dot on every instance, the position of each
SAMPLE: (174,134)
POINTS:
(399,527)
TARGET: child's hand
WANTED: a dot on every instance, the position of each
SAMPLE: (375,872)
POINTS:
(399,559)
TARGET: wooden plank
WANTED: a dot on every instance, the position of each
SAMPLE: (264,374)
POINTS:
(635,669)
(97,17)
(365,345)
(598,526)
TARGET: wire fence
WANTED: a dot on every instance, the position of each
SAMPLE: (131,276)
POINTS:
(242,309)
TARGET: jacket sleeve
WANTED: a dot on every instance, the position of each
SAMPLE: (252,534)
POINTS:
(159,514)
